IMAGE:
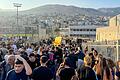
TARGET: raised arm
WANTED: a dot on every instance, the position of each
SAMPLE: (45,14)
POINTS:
(27,67)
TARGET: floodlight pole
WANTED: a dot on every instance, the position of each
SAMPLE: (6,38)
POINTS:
(17,5)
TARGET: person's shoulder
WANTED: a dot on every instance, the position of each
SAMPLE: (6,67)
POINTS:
(3,63)
(36,68)
(40,67)
(72,69)
(68,69)
(90,71)
(11,72)
(45,68)
(89,68)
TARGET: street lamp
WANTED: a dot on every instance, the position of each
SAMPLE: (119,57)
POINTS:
(17,5)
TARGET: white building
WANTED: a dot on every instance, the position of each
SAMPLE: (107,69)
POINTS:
(81,31)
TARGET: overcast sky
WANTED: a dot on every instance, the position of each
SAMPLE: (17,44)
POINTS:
(28,4)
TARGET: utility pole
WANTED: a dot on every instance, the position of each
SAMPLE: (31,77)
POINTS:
(17,5)
(117,40)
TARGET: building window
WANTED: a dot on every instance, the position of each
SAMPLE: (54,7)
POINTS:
(87,29)
(80,29)
(91,30)
(77,29)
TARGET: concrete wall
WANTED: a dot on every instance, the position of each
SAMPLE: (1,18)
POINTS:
(111,32)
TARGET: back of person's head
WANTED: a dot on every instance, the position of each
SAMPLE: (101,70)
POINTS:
(92,49)
(76,48)
(11,51)
(43,59)
(57,48)
(32,54)
(100,56)
(67,61)
(87,60)
(111,63)
(90,54)
(106,68)
(104,63)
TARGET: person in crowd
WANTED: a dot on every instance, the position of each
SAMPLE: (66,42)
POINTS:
(86,72)
(14,47)
(10,52)
(1,56)
(29,50)
(6,66)
(74,58)
(21,70)
(58,55)
(117,71)
(107,74)
(95,53)
(111,65)
(80,53)
(3,51)
(8,46)
(93,59)
(23,53)
(98,67)
(65,72)
(45,60)
(32,61)
(86,50)
(42,72)
(37,57)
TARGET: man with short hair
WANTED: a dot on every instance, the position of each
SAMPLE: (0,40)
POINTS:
(21,70)
(42,72)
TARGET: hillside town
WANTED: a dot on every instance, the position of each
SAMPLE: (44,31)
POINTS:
(60,42)
(28,24)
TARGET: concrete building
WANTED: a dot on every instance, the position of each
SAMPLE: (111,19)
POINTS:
(81,31)
(111,32)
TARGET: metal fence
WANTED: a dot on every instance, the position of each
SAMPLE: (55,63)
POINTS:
(108,50)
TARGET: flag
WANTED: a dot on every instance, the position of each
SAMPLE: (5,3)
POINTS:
(57,41)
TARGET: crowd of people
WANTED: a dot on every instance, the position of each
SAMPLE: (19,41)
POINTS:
(44,61)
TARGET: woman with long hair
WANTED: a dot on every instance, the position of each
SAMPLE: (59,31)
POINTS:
(111,65)
(98,67)
(107,74)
